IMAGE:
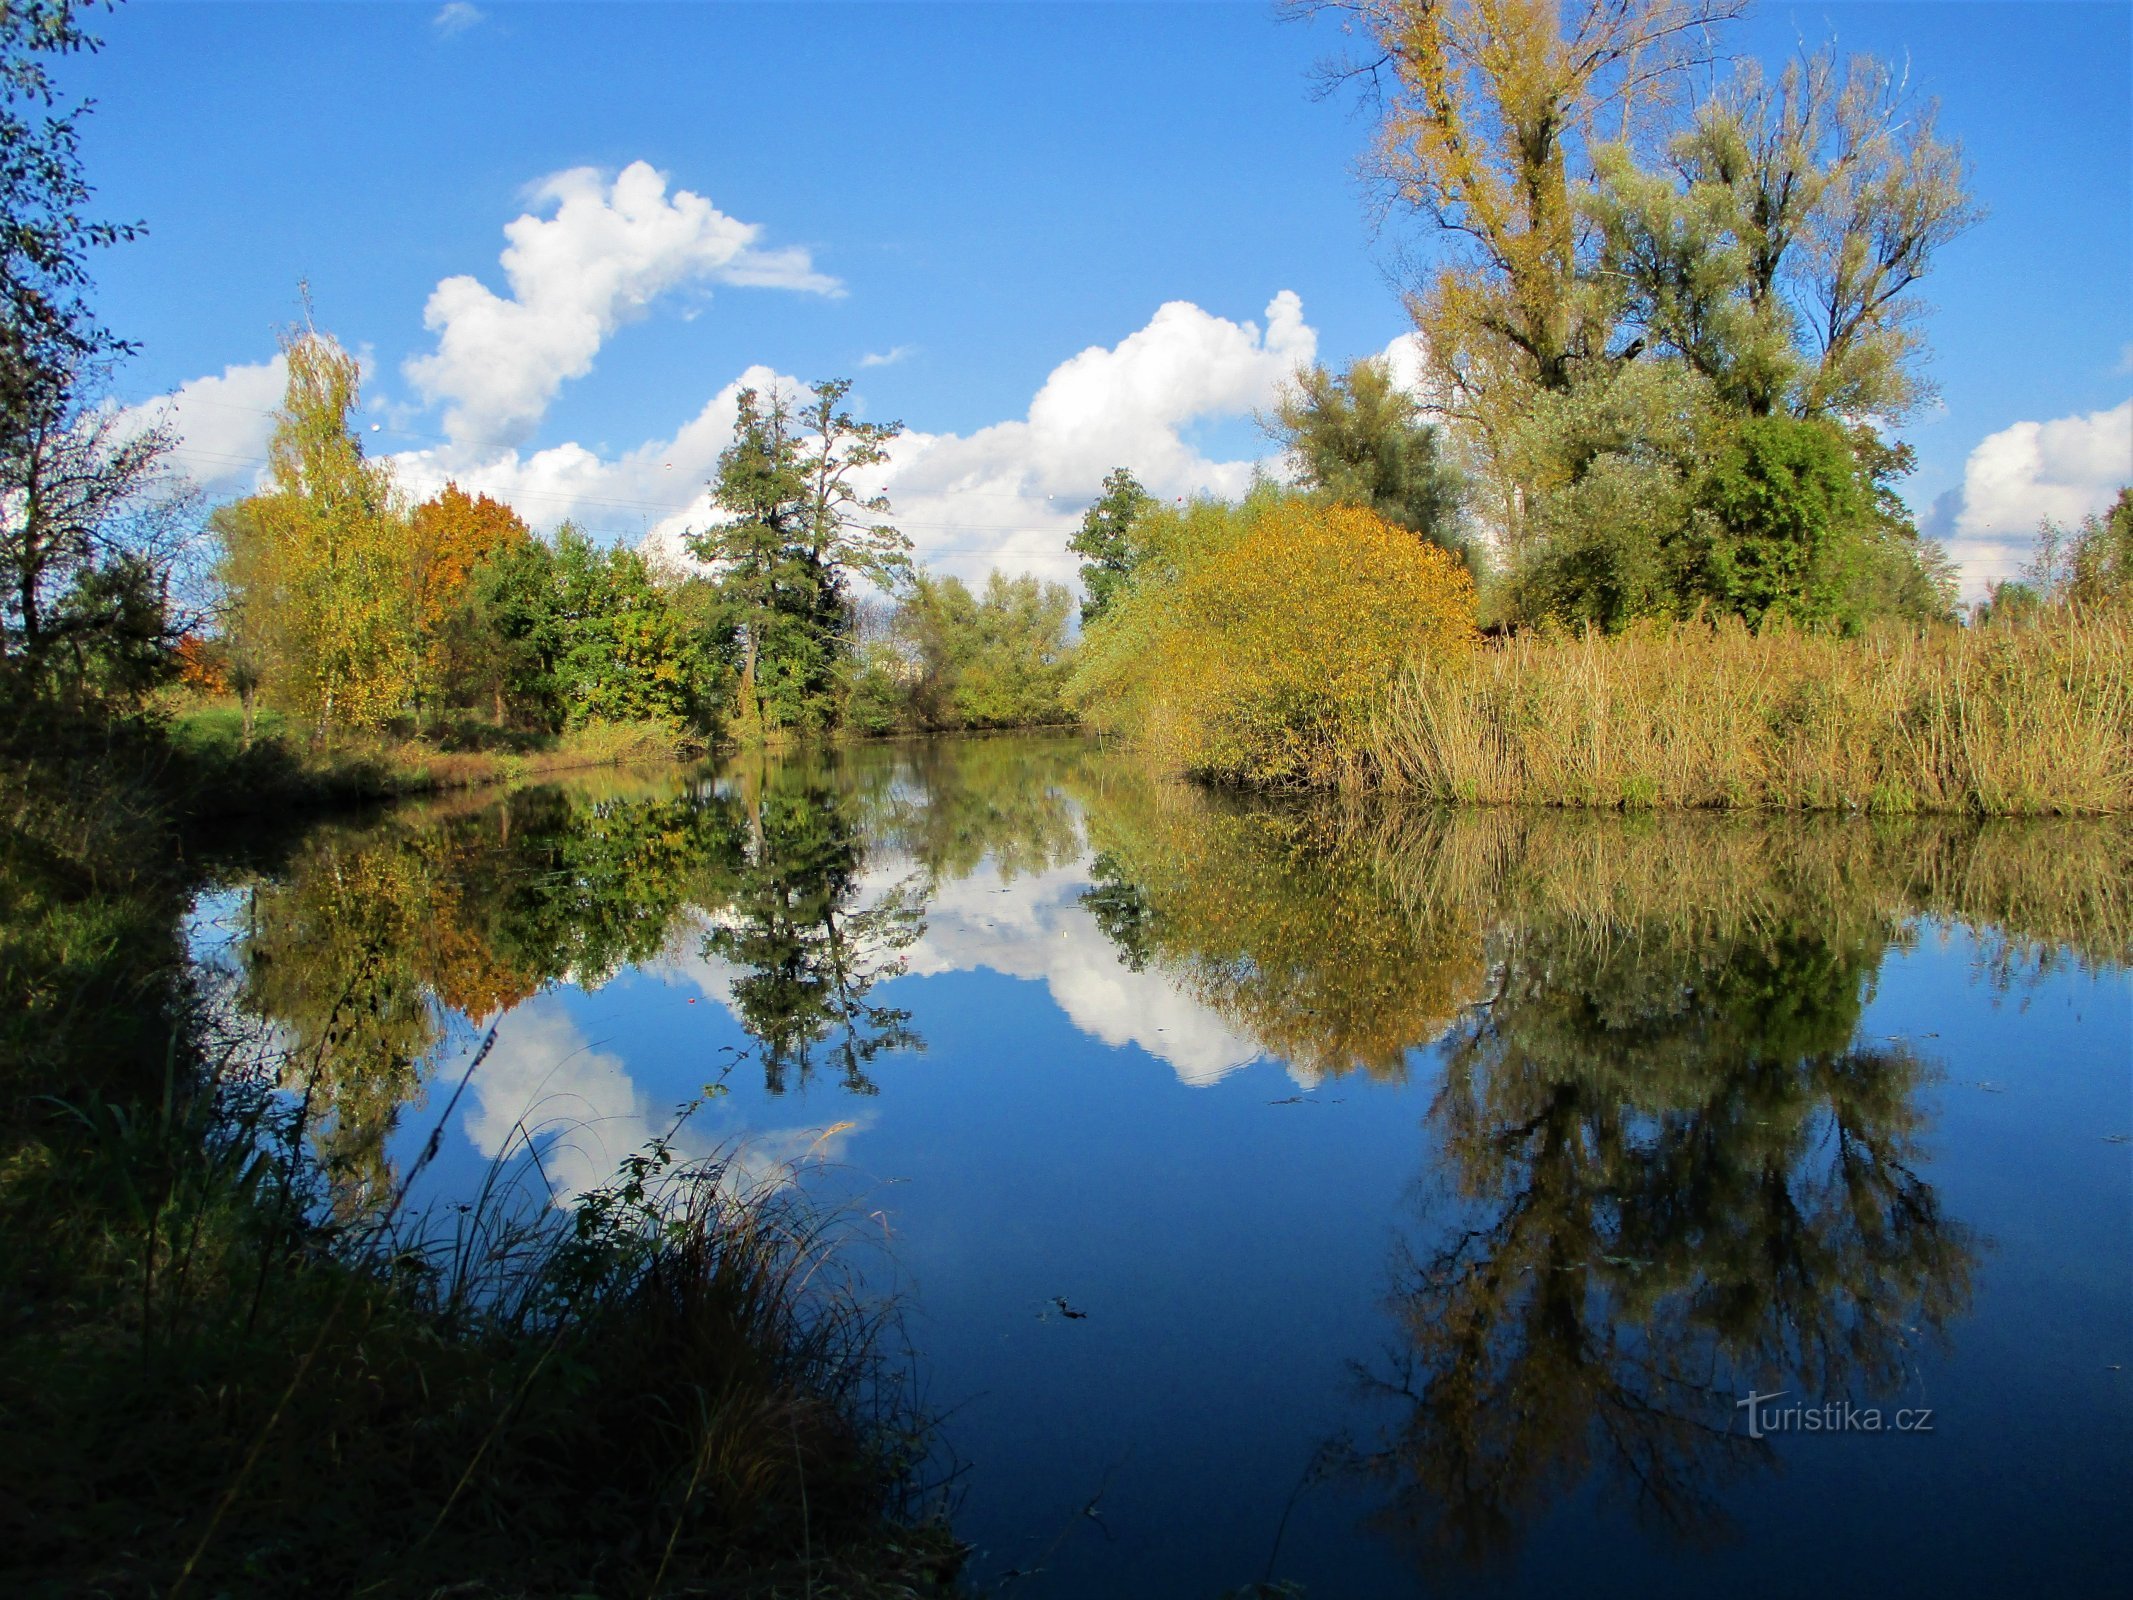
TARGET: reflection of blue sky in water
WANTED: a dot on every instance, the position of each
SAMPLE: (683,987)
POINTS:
(575,1100)
(575,1095)
(1032,926)
(1075,1129)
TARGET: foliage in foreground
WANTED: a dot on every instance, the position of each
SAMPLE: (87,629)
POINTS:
(1998,721)
(217,1377)
(1256,640)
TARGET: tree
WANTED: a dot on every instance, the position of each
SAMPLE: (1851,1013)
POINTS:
(622,650)
(2090,566)
(1767,245)
(1489,113)
(1359,439)
(507,635)
(83,489)
(995,660)
(1106,540)
(801,529)
(1777,504)
(449,535)
(47,333)
(86,509)
(1778,250)
(318,562)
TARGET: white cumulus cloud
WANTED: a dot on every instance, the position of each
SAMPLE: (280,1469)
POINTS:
(221,423)
(609,250)
(2025,474)
(1009,495)
(545,1081)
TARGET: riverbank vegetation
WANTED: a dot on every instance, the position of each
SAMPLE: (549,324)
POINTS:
(1996,720)
(241,1353)
(1660,363)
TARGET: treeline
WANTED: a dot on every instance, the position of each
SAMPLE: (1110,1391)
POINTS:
(344,608)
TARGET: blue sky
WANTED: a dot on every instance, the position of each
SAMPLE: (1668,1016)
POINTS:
(981,194)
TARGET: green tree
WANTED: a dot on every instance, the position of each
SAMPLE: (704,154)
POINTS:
(1776,508)
(560,633)
(992,660)
(47,332)
(1105,539)
(622,648)
(1778,250)
(86,510)
(801,528)
(506,635)
(2090,566)
(1359,439)
(86,502)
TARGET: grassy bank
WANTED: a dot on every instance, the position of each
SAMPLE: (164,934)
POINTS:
(213,770)
(1993,721)
(220,1376)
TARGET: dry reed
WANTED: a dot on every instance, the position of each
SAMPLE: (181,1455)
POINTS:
(1997,721)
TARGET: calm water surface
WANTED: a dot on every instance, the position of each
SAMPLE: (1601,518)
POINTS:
(1368,1200)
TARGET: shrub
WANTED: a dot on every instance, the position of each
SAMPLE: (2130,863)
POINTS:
(1257,640)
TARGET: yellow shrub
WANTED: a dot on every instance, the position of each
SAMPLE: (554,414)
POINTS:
(1258,641)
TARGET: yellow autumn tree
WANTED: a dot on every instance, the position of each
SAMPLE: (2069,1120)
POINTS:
(317,563)
(1257,641)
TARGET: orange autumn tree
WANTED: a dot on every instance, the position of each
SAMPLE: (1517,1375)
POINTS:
(451,534)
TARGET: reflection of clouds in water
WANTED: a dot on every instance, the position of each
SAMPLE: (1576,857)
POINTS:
(1036,927)
(580,1108)
(1033,927)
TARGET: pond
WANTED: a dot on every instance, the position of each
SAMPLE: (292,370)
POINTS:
(1365,1199)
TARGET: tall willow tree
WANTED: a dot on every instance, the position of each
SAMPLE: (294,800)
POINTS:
(1489,114)
(1630,277)
(317,564)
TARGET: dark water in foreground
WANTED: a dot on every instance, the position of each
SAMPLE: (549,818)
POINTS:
(1373,1201)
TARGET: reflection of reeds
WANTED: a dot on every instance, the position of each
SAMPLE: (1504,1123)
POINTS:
(2039,883)
(1996,721)
(1342,932)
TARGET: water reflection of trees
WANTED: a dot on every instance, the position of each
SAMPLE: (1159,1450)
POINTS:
(1665,1167)
(803,875)
(1665,1174)
(811,938)
(367,943)
(1274,917)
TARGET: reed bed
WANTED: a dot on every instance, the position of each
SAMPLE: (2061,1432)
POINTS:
(1999,721)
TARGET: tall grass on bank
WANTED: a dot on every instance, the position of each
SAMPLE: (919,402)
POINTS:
(2001,721)
(218,1383)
